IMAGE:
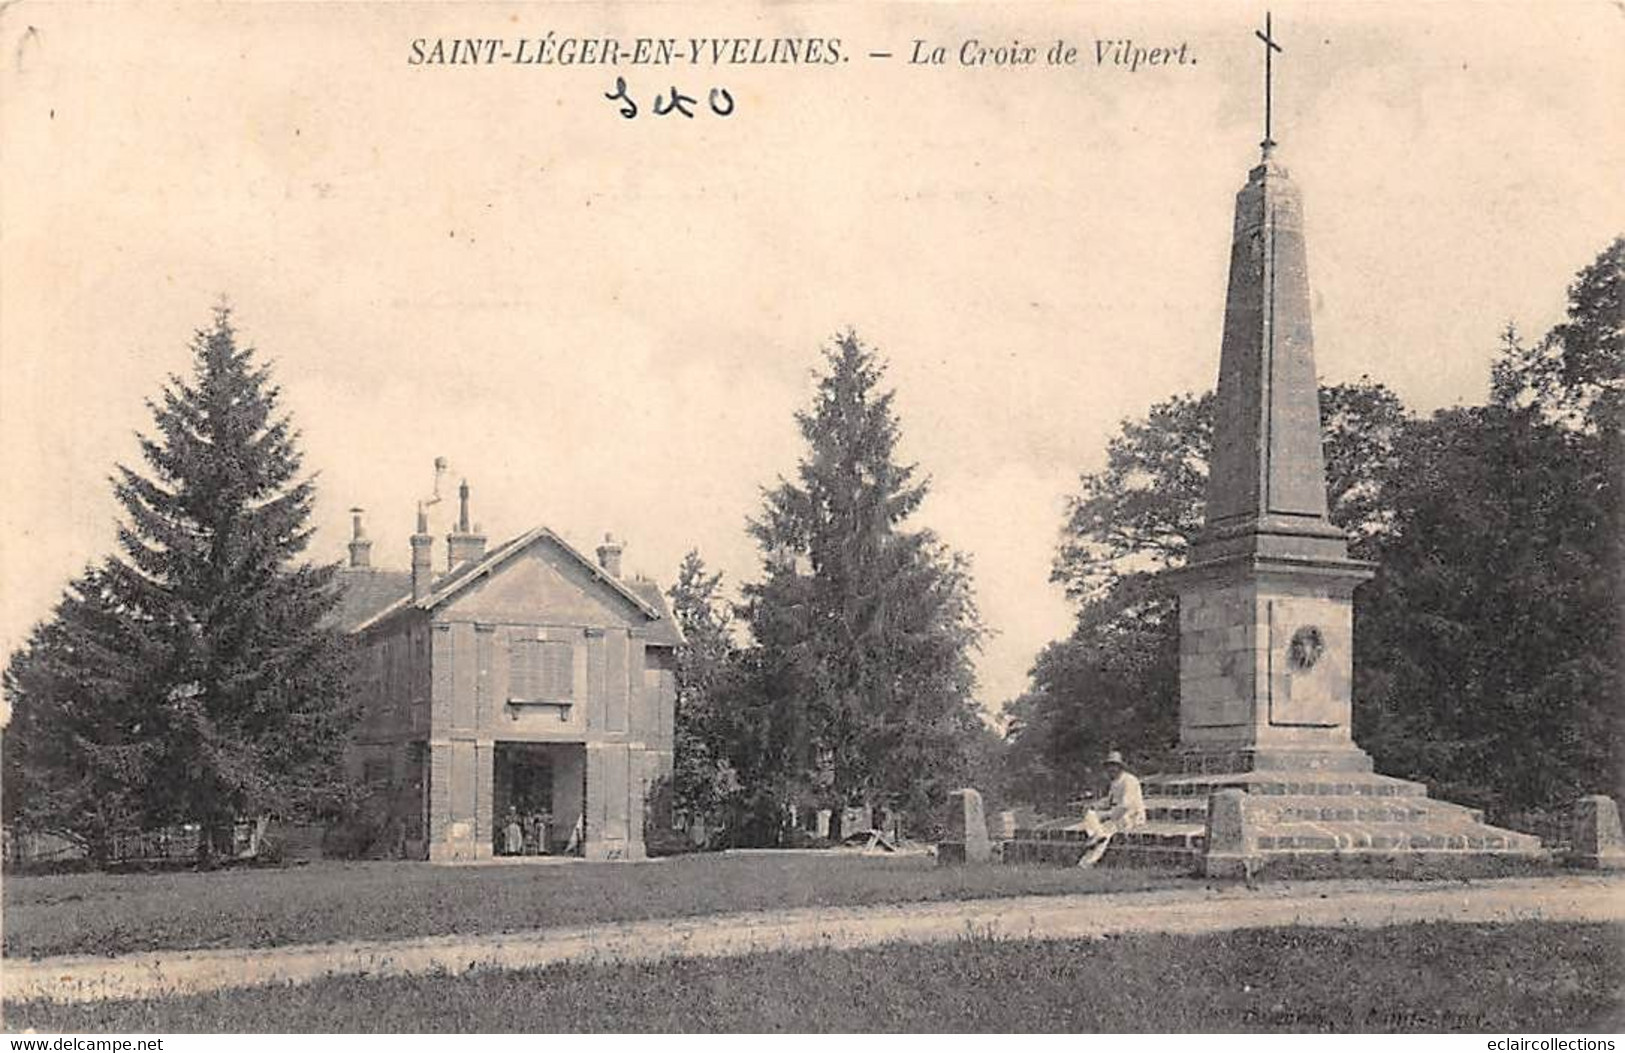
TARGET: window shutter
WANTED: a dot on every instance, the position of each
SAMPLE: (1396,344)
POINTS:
(541,670)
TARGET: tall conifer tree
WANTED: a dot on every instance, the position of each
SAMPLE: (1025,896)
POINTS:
(79,750)
(253,717)
(204,657)
(864,628)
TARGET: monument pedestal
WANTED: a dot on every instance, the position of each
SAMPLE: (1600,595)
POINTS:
(1270,780)
(1320,823)
(1294,823)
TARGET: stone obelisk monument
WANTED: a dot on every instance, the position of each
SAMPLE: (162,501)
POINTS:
(1266,608)
(1271,778)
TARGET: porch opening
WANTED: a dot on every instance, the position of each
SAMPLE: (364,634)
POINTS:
(538,791)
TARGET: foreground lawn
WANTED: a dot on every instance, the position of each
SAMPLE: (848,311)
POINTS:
(1532,977)
(126,913)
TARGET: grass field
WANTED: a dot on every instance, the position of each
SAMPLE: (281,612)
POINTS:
(126,913)
(1531,977)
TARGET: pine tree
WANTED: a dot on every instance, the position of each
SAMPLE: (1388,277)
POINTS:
(864,629)
(209,634)
(79,750)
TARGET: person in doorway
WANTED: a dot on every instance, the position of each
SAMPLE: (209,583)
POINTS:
(1125,810)
(513,835)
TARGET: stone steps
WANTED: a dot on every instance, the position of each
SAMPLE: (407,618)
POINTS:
(1180,835)
(1390,837)
(1314,808)
(1304,824)
(1286,784)
(1159,844)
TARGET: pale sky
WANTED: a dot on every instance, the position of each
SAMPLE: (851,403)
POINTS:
(608,324)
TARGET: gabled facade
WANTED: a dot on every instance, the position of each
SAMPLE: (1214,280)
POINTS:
(524,690)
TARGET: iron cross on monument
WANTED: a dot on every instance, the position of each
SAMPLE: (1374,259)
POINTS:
(1269,46)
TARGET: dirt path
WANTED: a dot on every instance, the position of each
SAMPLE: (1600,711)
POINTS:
(1350,903)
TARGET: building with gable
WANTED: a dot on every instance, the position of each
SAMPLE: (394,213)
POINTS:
(523,688)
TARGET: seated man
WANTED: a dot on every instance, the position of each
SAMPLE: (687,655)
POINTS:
(1125,811)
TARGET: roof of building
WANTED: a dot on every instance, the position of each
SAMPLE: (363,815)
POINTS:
(371,595)
(368,590)
(665,632)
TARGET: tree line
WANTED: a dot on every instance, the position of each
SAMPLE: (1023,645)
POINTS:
(194,676)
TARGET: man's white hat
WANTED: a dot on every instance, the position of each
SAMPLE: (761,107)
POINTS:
(1114,757)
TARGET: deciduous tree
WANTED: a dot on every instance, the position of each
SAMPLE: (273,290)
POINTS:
(1489,647)
(704,780)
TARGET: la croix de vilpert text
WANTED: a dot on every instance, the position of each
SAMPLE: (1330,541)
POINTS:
(553,50)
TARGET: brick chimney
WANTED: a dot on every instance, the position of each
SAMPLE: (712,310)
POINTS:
(465,544)
(422,558)
(360,546)
(609,555)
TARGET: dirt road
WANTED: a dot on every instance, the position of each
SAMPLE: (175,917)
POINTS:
(1183,910)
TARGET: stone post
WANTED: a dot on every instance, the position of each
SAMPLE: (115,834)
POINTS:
(1230,847)
(966,831)
(1596,840)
